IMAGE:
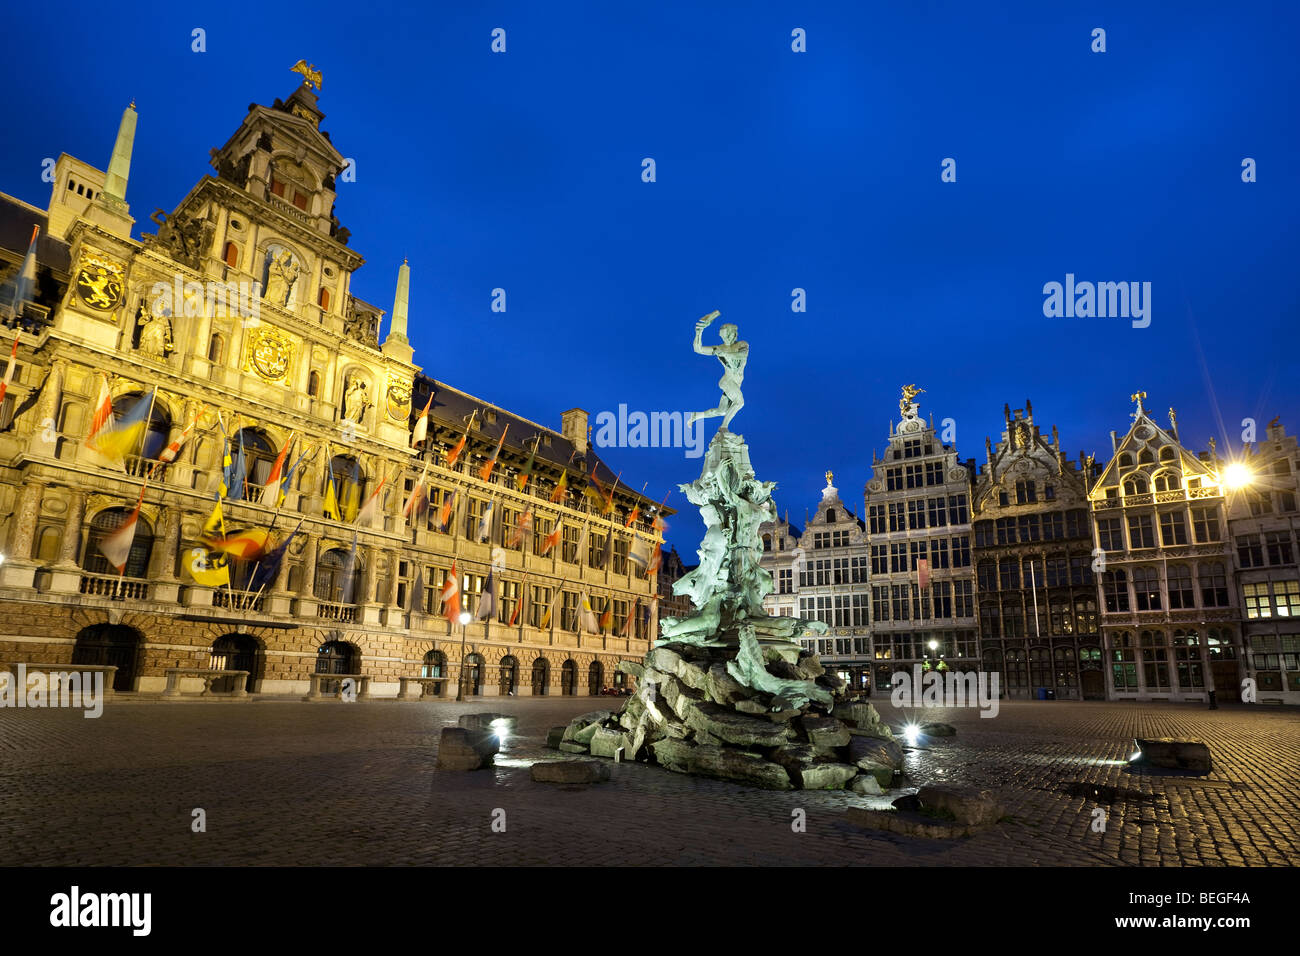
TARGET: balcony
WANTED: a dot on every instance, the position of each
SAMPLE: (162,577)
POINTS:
(343,613)
(114,587)
(237,600)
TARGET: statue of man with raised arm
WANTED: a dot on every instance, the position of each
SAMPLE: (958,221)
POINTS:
(732,355)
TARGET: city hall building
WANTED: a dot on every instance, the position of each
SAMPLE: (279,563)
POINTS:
(236,322)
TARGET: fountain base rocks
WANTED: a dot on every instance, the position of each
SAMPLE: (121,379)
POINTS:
(727,691)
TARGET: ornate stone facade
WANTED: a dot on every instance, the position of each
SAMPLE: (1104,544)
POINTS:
(239,312)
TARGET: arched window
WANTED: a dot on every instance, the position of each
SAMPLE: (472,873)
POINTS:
(1135,484)
(313,384)
(595,678)
(1145,457)
(103,525)
(1114,586)
(830,515)
(472,674)
(1168,481)
(569,678)
(336,657)
(259,457)
(349,485)
(1123,666)
(216,348)
(767,542)
(1181,592)
(1126,460)
(153,440)
(234,652)
(1067,672)
(1155,659)
(337,574)
(1167,454)
(231,254)
(47,545)
(434,665)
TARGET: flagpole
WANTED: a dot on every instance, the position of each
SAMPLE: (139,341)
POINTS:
(221,512)
(259,563)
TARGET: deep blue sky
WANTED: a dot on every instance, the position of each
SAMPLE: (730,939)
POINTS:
(776,170)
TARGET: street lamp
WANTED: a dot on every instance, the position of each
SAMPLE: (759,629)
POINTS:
(1237,475)
(465,618)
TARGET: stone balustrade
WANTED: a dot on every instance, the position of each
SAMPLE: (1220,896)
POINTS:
(175,674)
(315,692)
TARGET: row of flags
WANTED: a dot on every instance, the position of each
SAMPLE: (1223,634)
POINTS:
(488,605)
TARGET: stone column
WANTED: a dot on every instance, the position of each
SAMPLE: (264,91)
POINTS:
(162,563)
(393,560)
(20,570)
(70,546)
(47,412)
(307,583)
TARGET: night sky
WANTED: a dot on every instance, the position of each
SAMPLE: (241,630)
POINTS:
(775,170)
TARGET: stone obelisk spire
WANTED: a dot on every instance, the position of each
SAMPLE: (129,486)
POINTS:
(396,344)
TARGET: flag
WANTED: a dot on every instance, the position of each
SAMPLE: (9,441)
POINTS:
(26,282)
(608,552)
(9,372)
(215,522)
(122,437)
(366,516)
(215,575)
(519,604)
(550,611)
(636,513)
(103,417)
(521,482)
(117,546)
(267,569)
(444,516)
(594,482)
(523,528)
(460,445)
(417,493)
(331,495)
(485,472)
(922,573)
(485,523)
(631,618)
(352,494)
(451,595)
(639,554)
(487,601)
(561,487)
(656,558)
(243,545)
(579,556)
(607,615)
(553,538)
(416,602)
(235,478)
(288,475)
(586,617)
(350,574)
(171,451)
(421,430)
(271,490)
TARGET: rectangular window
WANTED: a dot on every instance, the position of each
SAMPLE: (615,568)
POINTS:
(963,599)
(912,476)
(1028,528)
(876,516)
(1249,551)
(784,581)
(916,514)
(901,600)
(942,598)
(1109,535)
(569,611)
(1278,545)
(898,558)
(539,605)
(938,553)
(894,479)
(859,569)
(897,516)
(1257,602)
(1205,524)
(1214,585)
(933,473)
(1006,530)
(957,513)
(1056,573)
(938,512)
(1140,532)
(1286,598)
(880,603)
(1173,529)
(1053,526)
(879,559)
(961,552)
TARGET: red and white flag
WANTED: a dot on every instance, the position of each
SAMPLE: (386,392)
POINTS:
(421,430)
(103,416)
(523,529)
(171,451)
(553,538)
(117,546)
(451,595)
(417,493)
(922,573)
(519,604)
(366,516)
(271,492)
(9,372)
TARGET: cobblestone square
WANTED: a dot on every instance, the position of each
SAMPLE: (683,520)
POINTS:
(289,783)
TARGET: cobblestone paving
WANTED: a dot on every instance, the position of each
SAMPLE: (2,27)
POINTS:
(289,783)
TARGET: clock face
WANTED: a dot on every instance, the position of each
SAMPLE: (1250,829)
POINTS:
(99,283)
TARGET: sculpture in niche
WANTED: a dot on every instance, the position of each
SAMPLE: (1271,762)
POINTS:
(356,394)
(281,274)
(155,332)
